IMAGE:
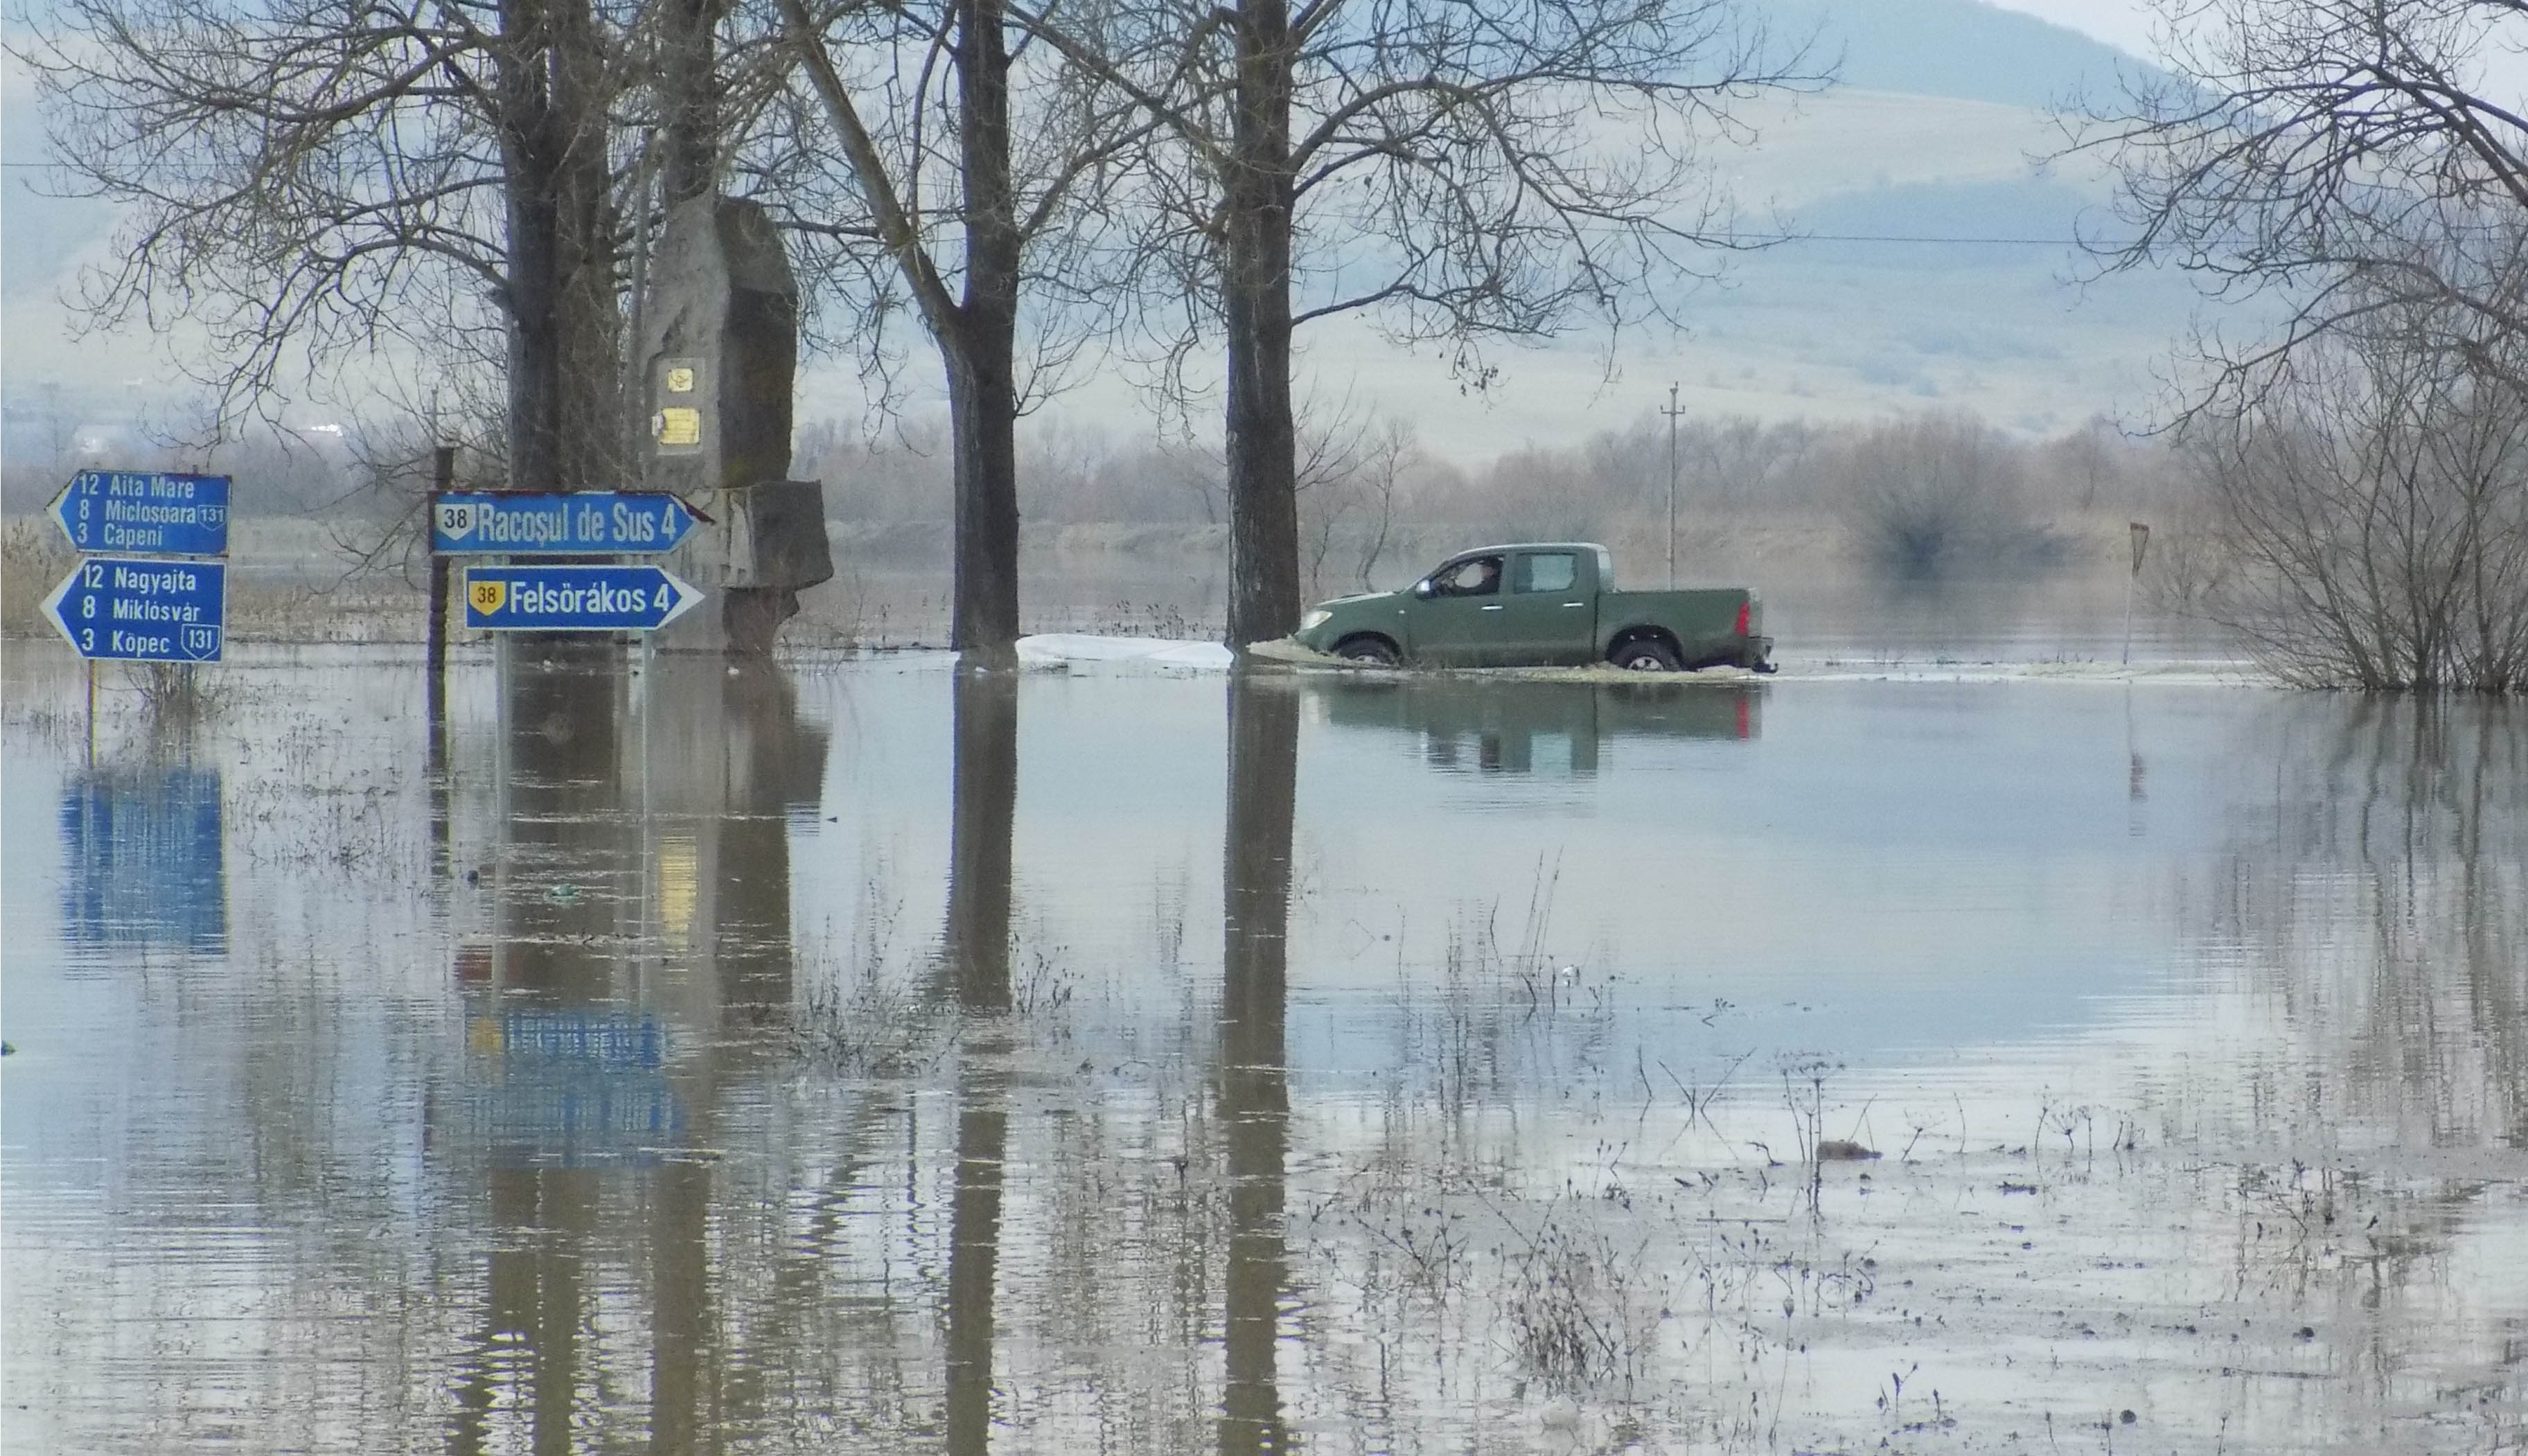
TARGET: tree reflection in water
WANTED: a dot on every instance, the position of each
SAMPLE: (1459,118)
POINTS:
(1252,1080)
(630,1201)
(563,702)
(976,957)
(2382,908)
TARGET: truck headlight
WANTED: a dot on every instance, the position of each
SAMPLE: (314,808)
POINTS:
(1315,619)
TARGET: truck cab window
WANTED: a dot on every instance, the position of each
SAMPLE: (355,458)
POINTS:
(1477,576)
(1547,571)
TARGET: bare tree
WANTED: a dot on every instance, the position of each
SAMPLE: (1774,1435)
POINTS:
(1392,451)
(310,183)
(978,177)
(1463,170)
(1332,442)
(1737,460)
(2369,501)
(2347,157)
(2358,162)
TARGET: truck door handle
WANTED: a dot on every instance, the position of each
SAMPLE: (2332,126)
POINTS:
(1496,607)
(1575,603)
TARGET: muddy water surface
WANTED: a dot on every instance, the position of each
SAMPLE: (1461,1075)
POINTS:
(865,1058)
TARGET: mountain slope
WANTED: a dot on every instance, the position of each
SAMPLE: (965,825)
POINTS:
(1962,49)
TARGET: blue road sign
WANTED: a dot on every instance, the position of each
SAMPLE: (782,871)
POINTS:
(142,862)
(143,611)
(145,512)
(593,522)
(575,598)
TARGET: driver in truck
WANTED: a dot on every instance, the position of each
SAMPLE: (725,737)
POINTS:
(1476,578)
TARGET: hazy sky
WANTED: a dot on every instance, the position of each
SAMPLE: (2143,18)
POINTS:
(1753,349)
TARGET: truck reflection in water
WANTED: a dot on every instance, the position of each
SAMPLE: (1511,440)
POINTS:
(1513,725)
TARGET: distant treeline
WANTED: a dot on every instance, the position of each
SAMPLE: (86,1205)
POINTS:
(1918,497)
(278,473)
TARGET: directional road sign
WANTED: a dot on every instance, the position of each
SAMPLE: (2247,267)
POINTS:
(591,523)
(148,513)
(142,610)
(574,599)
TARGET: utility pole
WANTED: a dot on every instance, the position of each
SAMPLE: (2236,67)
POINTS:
(1672,412)
(2140,545)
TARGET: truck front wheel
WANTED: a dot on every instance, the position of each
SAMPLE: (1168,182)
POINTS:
(1644,655)
(1369,652)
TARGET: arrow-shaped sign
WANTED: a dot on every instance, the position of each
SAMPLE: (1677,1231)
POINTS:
(590,523)
(575,598)
(142,610)
(151,513)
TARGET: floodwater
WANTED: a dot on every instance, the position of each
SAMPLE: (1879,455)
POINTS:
(865,1057)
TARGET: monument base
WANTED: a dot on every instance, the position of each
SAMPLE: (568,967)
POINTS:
(758,548)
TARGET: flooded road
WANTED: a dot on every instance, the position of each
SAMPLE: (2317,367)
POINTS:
(870,1058)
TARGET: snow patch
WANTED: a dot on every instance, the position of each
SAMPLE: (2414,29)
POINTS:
(2211,673)
(1074,651)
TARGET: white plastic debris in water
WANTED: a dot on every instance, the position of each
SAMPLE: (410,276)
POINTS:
(1078,652)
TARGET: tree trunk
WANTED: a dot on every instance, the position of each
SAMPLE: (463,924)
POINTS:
(534,358)
(1262,438)
(564,356)
(688,57)
(592,354)
(982,411)
(982,356)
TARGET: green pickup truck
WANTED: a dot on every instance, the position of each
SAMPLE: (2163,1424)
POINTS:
(1543,603)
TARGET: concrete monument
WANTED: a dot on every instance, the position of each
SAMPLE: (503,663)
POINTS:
(719,347)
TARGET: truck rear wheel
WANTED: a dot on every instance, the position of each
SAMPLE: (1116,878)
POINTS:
(1644,655)
(1371,651)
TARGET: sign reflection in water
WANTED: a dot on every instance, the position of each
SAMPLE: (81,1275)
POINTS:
(639,909)
(144,860)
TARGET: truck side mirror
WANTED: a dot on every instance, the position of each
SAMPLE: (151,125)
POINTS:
(1423,589)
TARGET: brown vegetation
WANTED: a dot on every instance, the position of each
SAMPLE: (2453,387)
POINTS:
(1917,500)
(2360,459)
(2368,515)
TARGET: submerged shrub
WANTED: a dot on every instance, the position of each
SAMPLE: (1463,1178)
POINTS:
(2368,509)
(1940,496)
